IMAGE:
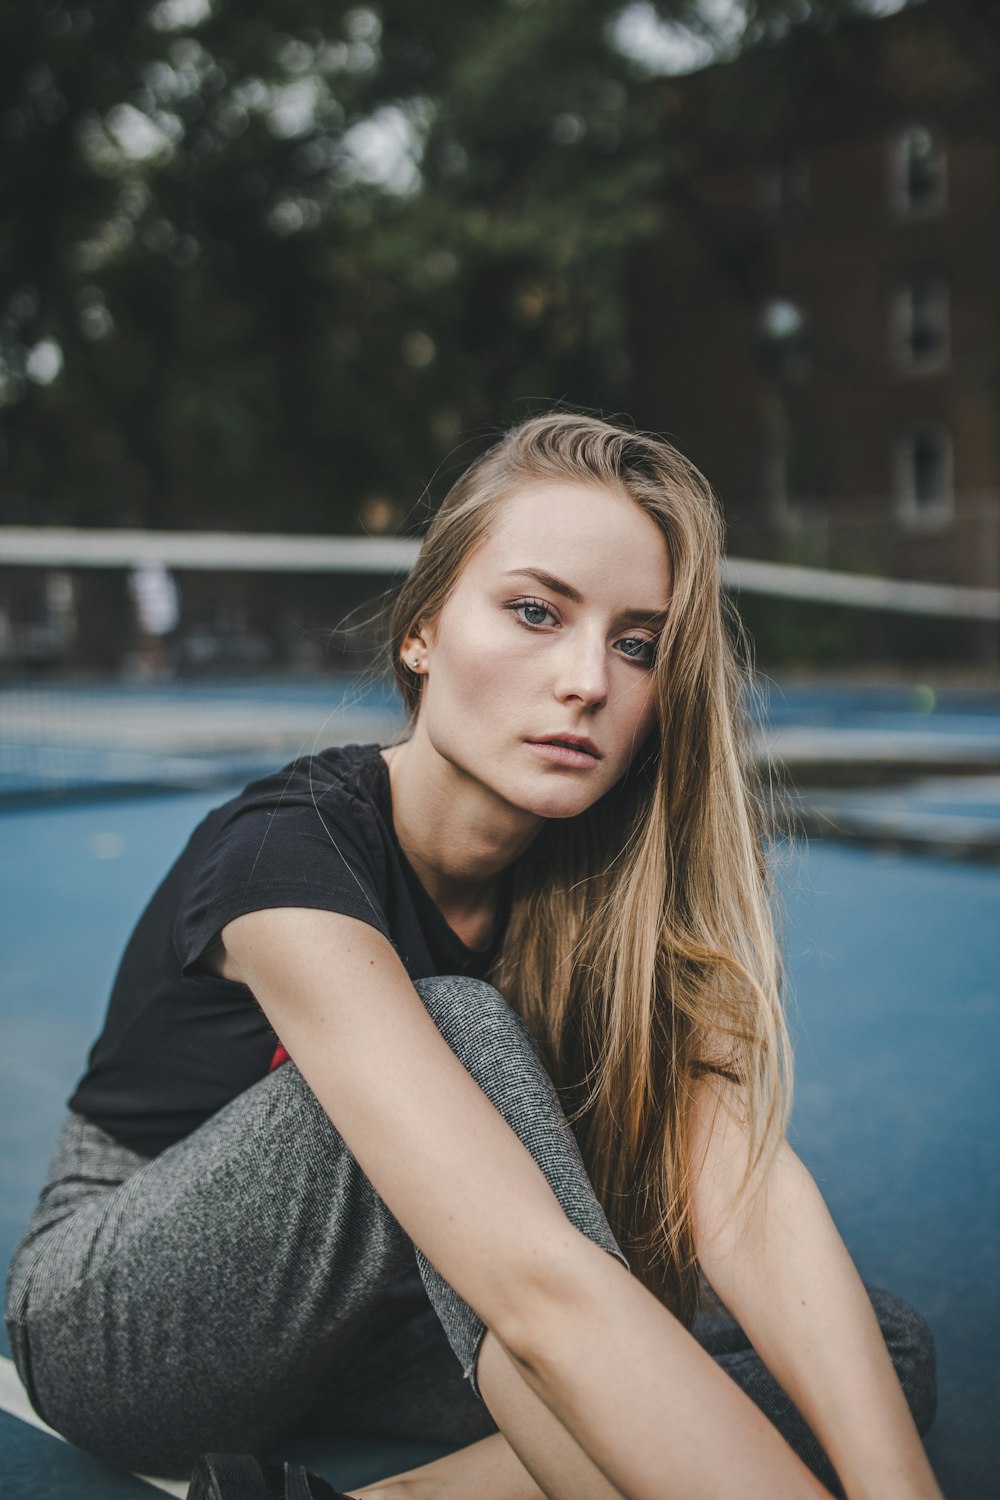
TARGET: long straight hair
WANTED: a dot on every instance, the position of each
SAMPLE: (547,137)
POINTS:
(640,949)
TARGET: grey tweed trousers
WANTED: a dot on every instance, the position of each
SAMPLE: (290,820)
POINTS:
(249,1282)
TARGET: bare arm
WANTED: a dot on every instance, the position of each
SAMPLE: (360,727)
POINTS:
(452,1172)
(782,1269)
(647,1406)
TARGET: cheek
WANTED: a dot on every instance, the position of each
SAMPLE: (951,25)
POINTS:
(639,698)
(486,648)
(478,662)
(644,712)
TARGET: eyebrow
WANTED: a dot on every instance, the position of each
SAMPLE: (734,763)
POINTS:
(634,616)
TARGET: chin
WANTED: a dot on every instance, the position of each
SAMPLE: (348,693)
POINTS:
(564,815)
(558,802)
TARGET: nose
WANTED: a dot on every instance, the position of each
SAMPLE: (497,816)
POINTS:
(582,673)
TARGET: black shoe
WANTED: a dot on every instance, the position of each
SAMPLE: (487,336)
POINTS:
(237,1476)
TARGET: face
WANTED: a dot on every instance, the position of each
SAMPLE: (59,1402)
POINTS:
(549,632)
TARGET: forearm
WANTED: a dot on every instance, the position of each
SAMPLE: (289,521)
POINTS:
(654,1413)
(617,1400)
(491,1469)
(787,1277)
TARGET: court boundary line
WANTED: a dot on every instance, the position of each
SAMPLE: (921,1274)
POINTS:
(14,1401)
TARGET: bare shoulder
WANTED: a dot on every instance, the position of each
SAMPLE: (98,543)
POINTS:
(291,933)
(260,940)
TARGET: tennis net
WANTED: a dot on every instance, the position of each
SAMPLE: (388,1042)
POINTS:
(142,661)
(135,661)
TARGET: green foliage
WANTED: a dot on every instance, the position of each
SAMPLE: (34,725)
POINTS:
(256,328)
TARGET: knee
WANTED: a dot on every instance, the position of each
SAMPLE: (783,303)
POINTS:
(472,1016)
(911,1346)
(460,993)
(495,1047)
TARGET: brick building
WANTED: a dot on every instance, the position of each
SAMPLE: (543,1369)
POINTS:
(818,325)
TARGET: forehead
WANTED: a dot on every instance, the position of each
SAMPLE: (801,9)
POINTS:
(593,536)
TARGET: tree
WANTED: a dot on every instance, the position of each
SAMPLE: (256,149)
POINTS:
(264,263)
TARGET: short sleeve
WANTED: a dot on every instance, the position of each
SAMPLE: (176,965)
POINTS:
(325,855)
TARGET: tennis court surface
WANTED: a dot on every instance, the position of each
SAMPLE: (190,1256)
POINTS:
(894,963)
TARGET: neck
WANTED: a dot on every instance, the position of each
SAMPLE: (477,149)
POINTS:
(458,835)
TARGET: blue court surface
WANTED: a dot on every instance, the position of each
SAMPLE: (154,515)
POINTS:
(114,738)
(895,967)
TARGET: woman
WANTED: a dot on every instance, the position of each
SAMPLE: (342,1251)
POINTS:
(231,1243)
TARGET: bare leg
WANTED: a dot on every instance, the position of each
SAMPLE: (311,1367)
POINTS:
(490,1469)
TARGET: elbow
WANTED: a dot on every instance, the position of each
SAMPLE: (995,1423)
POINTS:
(557,1290)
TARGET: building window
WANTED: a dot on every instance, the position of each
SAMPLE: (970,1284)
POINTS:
(918,172)
(923,464)
(920,323)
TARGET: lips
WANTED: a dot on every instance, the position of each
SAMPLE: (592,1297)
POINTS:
(572,742)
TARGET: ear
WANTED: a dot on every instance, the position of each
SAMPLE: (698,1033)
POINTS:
(413,652)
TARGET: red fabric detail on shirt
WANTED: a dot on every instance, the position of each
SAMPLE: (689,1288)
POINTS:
(280,1056)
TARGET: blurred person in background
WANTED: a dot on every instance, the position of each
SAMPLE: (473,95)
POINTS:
(156,601)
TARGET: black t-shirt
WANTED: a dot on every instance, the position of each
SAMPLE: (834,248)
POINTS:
(178,1041)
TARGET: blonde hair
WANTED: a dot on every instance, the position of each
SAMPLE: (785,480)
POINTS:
(640,949)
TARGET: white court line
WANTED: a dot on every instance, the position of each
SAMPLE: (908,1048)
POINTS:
(14,1401)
